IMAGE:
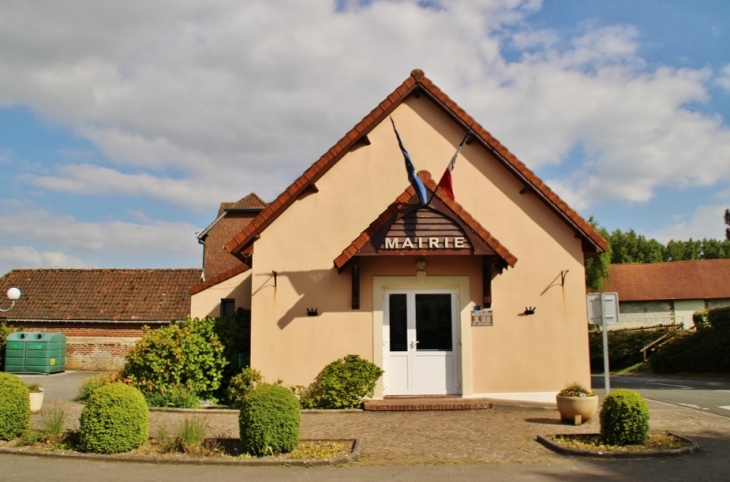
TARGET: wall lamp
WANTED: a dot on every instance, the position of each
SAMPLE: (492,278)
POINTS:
(13,294)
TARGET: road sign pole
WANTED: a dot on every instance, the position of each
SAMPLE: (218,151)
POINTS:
(606,377)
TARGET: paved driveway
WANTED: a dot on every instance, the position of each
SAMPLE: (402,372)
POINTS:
(495,444)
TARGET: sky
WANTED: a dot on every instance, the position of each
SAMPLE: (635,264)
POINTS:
(123,125)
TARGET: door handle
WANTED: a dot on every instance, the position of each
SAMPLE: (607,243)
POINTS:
(414,343)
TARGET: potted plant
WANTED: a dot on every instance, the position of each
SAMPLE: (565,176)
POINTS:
(576,404)
(36,397)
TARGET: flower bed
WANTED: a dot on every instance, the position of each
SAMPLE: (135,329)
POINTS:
(657,444)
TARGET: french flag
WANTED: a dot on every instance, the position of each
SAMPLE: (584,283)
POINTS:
(412,177)
(445,182)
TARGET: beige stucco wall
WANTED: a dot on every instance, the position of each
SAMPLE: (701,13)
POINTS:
(208,302)
(535,353)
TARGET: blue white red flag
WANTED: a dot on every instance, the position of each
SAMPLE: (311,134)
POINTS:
(412,177)
(445,182)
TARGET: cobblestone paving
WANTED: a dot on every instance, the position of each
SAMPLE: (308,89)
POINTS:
(499,436)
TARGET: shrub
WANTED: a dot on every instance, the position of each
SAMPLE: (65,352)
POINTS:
(88,386)
(624,347)
(705,351)
(5,330)
(234,332)
(241,384)
(14,407)
(115,419)
(269,420)
(183,354)
(343,383)
(624,418)
(719,318)
(175,397)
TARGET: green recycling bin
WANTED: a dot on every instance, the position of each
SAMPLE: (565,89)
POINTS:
(35,352)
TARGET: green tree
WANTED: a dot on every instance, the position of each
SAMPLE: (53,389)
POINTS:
(597,267)
(727,223)
(630,247)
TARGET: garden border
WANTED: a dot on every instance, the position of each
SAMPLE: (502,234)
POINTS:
(544,440)
(254,462)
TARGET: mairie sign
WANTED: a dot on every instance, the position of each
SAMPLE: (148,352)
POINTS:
(425,243)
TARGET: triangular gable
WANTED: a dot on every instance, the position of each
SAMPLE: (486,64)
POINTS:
(443,214)
(417,83)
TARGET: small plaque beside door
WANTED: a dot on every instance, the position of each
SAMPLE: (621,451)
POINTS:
(481,318)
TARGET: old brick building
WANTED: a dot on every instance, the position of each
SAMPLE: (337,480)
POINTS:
(101,311)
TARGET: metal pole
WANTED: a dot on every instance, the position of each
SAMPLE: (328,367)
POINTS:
(606,377)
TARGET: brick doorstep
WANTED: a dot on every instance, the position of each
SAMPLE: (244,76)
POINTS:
(415,404)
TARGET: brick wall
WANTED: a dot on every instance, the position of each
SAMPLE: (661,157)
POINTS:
(97,353)
(92,346)
(217,260)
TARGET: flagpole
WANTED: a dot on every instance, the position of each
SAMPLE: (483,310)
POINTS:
(453,159)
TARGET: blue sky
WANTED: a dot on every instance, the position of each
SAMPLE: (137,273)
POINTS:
(123,125)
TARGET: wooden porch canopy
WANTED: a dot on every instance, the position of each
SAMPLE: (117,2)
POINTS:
(442,227)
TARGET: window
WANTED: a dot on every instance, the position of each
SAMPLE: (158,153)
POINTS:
(228,307)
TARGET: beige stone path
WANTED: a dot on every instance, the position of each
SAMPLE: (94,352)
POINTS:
(498,436)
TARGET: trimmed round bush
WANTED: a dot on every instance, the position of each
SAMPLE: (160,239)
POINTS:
(115,419)
(269,420)
(14,407)
(343,383)
(624,418)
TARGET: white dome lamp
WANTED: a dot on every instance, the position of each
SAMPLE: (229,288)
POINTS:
(13,294)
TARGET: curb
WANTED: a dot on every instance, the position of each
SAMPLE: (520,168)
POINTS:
(339,460)
(544,440)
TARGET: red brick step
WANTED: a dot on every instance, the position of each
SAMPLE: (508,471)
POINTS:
(402,404)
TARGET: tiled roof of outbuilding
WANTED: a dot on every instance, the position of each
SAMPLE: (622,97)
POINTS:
(100,294)
(417,80)
(680,280)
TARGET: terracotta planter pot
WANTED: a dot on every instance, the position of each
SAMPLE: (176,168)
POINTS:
(36,402)
(577,410)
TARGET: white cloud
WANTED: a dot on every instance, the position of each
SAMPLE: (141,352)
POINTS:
(16,257)
(706,222)
(56,236)
(242,96)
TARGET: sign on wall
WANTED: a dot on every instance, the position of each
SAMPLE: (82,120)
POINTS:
(481,318)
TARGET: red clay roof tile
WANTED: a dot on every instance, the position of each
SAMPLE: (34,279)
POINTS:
(704,279)
(101,294)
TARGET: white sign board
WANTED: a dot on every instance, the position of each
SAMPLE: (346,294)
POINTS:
(602,306)
(602,310)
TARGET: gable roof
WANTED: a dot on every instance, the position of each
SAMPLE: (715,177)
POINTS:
(249,203)
(409,196)
(703,279)
(593,242)
(150,295)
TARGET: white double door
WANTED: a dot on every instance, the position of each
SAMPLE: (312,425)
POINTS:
(421,342)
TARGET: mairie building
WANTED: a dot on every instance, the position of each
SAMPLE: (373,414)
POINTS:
(472,290)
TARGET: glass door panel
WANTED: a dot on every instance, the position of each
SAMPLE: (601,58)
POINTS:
(398,322)
(434,322)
